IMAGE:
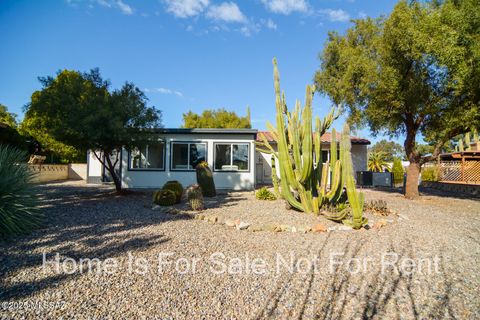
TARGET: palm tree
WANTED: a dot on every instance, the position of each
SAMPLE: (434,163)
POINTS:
(376,161)
(18,203)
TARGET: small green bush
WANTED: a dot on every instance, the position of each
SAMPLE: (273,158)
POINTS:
(264,194)
(176,187)
(164,197)
(397,170)
(19,212)
(431,174)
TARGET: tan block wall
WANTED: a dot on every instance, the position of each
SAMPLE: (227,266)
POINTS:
(49,172)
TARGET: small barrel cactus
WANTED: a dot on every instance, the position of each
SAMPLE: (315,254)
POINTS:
(164,197)
(176,187)
(205,179)
(195,197)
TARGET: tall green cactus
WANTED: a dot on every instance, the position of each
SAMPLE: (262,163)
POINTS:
(275,177)
(355,198)
(303,183)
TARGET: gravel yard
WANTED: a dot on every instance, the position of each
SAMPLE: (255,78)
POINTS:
(228,273)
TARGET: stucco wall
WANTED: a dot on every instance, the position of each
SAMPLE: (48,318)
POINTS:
(223,180)
(94,169)
(264,167)
(77,171)
(359,157)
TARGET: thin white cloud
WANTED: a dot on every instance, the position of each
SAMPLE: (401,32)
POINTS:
(186,8)
(362,15)
(125,8)
(271,25)
(104,3)
(335,15)
(286,6)
(227,12)
(111,4)
(164,91)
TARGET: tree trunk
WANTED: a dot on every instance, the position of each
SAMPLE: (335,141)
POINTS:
(411,186)
(111,168)
(413,170)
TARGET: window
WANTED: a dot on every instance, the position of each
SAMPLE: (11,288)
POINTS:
(324,156)
(186,155)
(231,157)
(149,157)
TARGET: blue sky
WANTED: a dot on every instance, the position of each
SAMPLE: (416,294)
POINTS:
(185,54)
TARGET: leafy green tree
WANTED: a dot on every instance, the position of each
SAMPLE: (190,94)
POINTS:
(9,129)
(7,118)
(416,71)
(78,109)
(220,118)
(30,128)
(377,162)
(390,148)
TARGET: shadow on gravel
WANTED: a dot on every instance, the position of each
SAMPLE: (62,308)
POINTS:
(365,295)
(427,192)
(80,222)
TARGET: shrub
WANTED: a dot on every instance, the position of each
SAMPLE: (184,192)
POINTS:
(205,179)
(264,194)
(430,174)
(18,203)
(176,187)
(397,170)
(378,207)
(164,197)
(195,197)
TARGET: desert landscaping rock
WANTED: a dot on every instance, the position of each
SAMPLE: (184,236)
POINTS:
(230,223)
(243,225)
(319,228)
(344,228)
(379,224)
(212,219)
(88,222)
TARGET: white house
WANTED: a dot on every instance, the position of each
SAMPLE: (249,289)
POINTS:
(231,154)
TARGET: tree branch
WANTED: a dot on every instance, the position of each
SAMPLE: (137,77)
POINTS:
(99,158)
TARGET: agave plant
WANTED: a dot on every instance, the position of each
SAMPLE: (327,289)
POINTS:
(18,204)
(376,162)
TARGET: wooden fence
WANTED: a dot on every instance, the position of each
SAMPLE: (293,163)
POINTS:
(467,171)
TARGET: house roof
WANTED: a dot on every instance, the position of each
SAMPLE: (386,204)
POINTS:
(325,138)
(205,130)
(472,155)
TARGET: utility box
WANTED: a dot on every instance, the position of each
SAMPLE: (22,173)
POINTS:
(374,179)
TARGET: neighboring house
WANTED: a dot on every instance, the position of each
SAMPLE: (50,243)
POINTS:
(263,160)
(231,154)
